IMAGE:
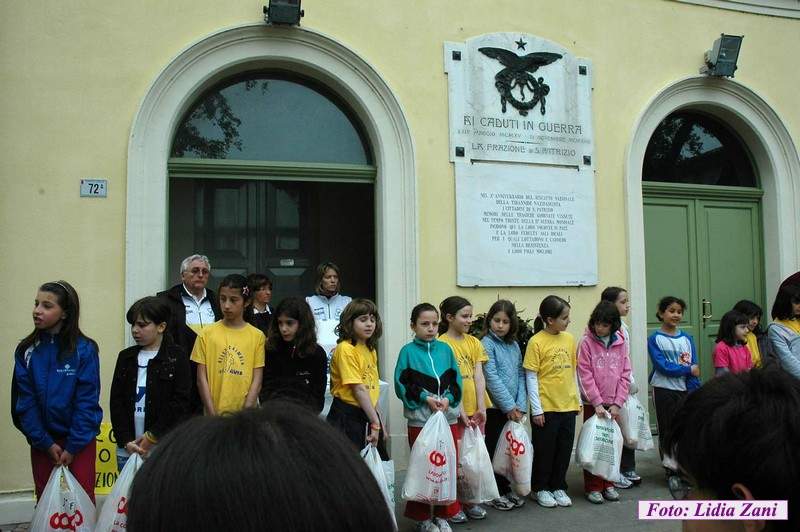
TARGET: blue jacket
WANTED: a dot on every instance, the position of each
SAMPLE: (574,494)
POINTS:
(669,371)
(58,399)
(505,377)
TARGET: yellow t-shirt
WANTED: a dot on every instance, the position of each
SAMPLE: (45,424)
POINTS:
(354,364)
(468,351)
(755,353)
(230,356)
(553,357)
(791,324)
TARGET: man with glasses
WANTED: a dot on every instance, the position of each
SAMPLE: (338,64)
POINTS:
(193,307)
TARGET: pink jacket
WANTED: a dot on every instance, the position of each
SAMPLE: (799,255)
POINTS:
(603,372)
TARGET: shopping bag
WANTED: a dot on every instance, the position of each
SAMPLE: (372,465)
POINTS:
(476,482)
(599,448)
(388,472)
(629,420)
(644,438)
(114,514)
(376,466)
(513,457)
(64,505)
(431,476)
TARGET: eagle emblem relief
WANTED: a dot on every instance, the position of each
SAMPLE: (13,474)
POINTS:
(516,78)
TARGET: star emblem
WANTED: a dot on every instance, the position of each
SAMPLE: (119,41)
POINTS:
(520,44)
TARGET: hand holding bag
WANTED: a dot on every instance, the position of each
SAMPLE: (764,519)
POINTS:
(64,505)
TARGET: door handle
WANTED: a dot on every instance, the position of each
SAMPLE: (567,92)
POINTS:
(707,315)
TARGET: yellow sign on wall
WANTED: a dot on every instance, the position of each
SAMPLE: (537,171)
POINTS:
(106,462)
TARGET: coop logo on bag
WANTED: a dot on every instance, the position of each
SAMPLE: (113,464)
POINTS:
(122,505)
(516,446)
(64,521)
(436,458)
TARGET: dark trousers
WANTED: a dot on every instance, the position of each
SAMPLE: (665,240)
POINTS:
(666,402)
(552,447)
(354,424)
(495,421)
(628,462)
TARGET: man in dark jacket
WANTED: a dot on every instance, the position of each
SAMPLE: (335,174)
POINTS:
(193,307)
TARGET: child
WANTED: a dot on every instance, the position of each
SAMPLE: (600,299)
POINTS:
(550,362)
(57,388)
(505,382)
(354,375)
(619,296)
(675,370)
(427,379)
(296,366)
(730,352)
(259,313)
(757,342)
(456,315)
(784,332)
(604,371)
(230,353)
(152,382)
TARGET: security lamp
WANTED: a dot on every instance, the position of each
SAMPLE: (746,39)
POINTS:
(285,12)
(721,59)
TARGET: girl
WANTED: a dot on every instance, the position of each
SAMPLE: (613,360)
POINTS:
(296,366)
(675,370)
(604,371)
(759,345)
(550,361)
(354,375)
(505,382)
(784,333)
(259,313)
(230,353)
(619,296)
(152,382)
(456,315)
(427,379)
(57,388)
(730,352)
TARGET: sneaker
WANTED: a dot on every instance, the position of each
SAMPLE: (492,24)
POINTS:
(443,526)
(457,519)
(632,476)
(426,526)
(623,483)
(562,499)
(503,504)
(594,497)
(610,494)
(515,499)
(545,498)
(475,512)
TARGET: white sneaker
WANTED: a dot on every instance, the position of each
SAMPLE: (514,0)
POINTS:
(515,499)
(623,483)
(545,498)
(425,526)
(594,497)
(562,499)
(610,494)
(443,525)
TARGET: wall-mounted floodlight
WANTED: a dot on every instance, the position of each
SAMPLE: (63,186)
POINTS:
(285,12)
(721,59)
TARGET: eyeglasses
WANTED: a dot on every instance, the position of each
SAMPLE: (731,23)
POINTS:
(679,487)
(199,271)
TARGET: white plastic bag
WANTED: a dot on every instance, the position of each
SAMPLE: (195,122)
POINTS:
(629,420)
(431,476)
(476,482)
(513,457)
(114,513)
(378,468)
(599,448)
(64,505)
(644,439)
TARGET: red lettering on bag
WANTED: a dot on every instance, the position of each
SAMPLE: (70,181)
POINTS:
(437,458)
(122,505)
(517,447)
(65,521)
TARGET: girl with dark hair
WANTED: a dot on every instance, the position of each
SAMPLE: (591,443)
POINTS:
(759,345)
(56,388)
(730,351)
(456,313)
(784,332)
(604,371)
(427,380)
(505,382)
(296,366)
(256,470)
(550,362)
(230,353)
(354,375)
(152,382)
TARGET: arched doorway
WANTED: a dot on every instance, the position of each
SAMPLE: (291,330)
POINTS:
(702,224)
